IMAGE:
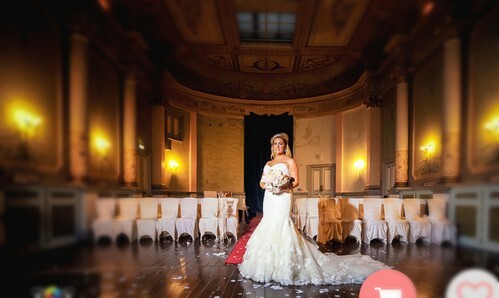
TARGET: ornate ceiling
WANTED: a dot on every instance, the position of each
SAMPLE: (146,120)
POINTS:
(334,43)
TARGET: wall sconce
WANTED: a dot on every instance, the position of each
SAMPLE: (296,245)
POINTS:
(428,150)
(489,153)
(173,165)
(101,145)
(359,165)
(26,122)
(493,128)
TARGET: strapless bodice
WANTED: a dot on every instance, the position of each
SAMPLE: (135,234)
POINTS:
(280,166)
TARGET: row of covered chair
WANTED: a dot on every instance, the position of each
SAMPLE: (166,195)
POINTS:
(367,219)
(154,217)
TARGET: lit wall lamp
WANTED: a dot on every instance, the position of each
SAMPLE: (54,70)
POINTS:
(101,145)
(173,165)
(27,123)
(493,128)
(428,150)
(359,165)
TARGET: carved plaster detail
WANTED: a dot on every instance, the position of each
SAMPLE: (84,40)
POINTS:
(311,63)
(401,166)
(130,171)
(223,61)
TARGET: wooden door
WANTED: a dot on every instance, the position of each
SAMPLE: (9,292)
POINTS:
(321,180)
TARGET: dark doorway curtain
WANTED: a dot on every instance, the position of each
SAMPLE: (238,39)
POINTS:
(257,133)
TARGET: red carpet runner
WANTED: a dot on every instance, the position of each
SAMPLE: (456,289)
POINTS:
(236,255)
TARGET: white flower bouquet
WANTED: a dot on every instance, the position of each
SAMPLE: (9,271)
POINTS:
(274,180)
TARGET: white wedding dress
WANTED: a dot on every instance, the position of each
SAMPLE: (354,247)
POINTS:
(277,252)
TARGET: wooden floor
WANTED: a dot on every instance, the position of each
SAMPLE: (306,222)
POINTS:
(197,269)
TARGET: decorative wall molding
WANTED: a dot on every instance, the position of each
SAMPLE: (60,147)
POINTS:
(223,61)
(188,99)
(311,62)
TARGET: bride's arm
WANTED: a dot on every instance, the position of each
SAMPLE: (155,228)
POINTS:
(262,184)
(293,172)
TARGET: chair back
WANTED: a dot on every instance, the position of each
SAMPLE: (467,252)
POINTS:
(169,207)
(106,208)
(241,204)
(128,208)
(148,208)
(312,207)
(412,209)
(301,205)
(437,208)
(330,209)
(231,206)
(188,208)
(209,207)
(393,208)
(372,209)
(350,208)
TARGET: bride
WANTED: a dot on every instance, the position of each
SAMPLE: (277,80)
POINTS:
(277,252)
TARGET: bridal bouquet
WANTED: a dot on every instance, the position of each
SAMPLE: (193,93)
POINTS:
(275,179)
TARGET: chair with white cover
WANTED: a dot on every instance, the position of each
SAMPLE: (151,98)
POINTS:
(301,209)
(330,227)
(312,225)
(419,226)
(126,222)
(442,229)
(169,214)
(350,214)
(241,206)
(188,221)
(146,224)
(373,226)
(232,217)
(208,223)
(102,226)
(397,226)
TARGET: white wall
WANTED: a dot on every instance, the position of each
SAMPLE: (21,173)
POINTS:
(314,143)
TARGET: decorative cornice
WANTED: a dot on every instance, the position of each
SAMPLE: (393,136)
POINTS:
(311,63)
(267,87)
(219,60)
(188,99)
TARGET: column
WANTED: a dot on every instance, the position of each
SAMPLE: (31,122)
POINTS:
(130,133)
(193,152)
(402,135)
(373,185)
(451,131)
(339,153)
(78,134)
(158,147)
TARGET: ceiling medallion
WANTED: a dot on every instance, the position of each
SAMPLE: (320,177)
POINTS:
(266,65)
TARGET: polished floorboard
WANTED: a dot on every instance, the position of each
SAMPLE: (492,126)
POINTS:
(197,269)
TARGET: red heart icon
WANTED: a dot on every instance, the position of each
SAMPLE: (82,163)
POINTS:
(475,287)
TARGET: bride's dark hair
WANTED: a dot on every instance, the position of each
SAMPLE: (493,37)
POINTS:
(285,138)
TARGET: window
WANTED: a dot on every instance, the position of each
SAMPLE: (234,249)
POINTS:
(174,125)
(266,26)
